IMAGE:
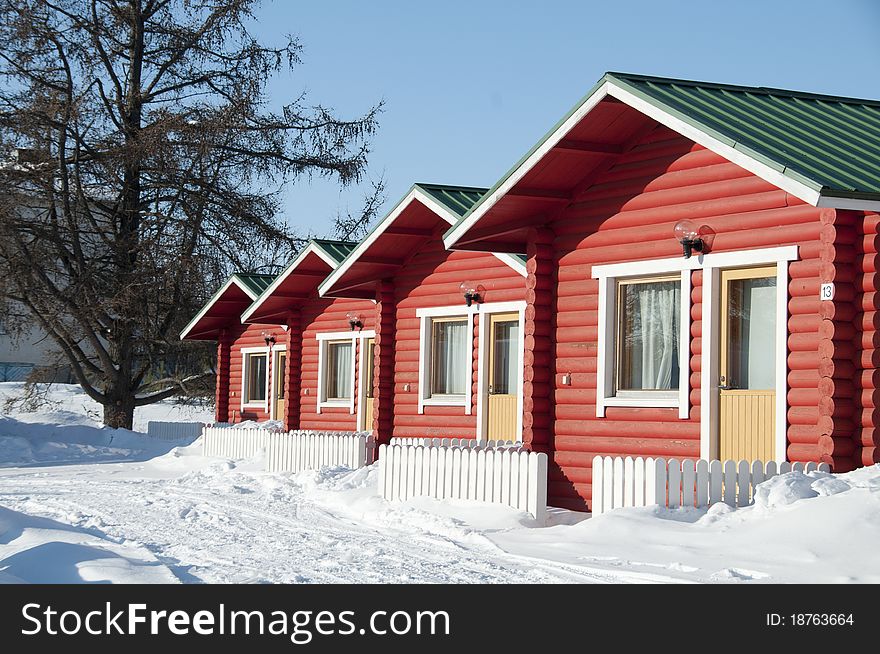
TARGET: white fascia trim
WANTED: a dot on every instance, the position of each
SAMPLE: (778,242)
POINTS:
(588,105)
(762,170)
(229,282)
(310,249)
(855,204)
(737,259)
(464,310)
(244,390)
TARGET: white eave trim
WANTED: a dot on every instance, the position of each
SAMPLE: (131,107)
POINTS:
(854,204)
(201,314)
(311,248)
(414,194)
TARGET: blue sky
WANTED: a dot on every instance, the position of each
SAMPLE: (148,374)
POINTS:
(470,86)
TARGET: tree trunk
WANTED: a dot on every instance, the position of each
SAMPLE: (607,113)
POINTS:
(119,414)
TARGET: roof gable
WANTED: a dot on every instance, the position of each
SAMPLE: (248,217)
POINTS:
(237,292)
(824,150)
(298,280)
(449,203)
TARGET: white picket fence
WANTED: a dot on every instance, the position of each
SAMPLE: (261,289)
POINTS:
(174,431)
(513,477)
(457,442)
(309,450)
(234,443)
(625,482)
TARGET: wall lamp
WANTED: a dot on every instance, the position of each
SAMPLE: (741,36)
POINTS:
(355,320)
(269,338)
(688,234)
(471,292)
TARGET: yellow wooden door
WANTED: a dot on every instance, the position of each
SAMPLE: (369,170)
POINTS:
(503,379)
(280,366)
(369,401)
(747,396)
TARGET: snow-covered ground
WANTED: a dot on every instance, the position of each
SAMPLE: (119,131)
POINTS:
(133,510)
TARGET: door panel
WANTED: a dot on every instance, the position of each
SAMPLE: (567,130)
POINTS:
(504,363)
(747,396)
(280,367)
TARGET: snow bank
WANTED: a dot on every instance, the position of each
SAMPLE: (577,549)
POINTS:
(69,430)
(274,425)
(38,550)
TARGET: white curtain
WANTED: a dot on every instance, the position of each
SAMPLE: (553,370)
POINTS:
(450,370)
(339,367)
(654,336)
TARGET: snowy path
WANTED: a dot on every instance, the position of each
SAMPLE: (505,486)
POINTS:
(220,525)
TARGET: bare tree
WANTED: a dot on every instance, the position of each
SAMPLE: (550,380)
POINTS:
(354,226)
(139,148)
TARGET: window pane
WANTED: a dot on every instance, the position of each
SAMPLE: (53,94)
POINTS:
(506,359)
(338,371)
(369,372)
(751,329)
(256,378)
(648,336)
(449,345)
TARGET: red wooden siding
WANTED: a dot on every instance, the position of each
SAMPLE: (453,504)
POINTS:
(321,316)
(431,278)
(627,215)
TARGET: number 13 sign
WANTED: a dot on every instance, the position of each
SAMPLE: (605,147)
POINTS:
(826,291)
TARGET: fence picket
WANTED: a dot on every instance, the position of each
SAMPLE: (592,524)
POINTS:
(628,481)
(716,478)
(688,483)
(674,484)
(639,482)
(743,482)
(730,483)
(702,471)
(608,480)
(598,485)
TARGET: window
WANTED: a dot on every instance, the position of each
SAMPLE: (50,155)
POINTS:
(450,350)
(648,337)
(338,371)
(255,377)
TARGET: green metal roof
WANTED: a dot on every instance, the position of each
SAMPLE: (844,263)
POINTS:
(458,199)
(336,250)
(826,142)
(256,283)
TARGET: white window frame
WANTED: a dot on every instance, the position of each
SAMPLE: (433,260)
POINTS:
(606,394)
(711,264)
(426,317)
(323,341)
(245,351)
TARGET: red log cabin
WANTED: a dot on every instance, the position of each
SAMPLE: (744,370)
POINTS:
(702,275)
(697,279)
(286,354)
